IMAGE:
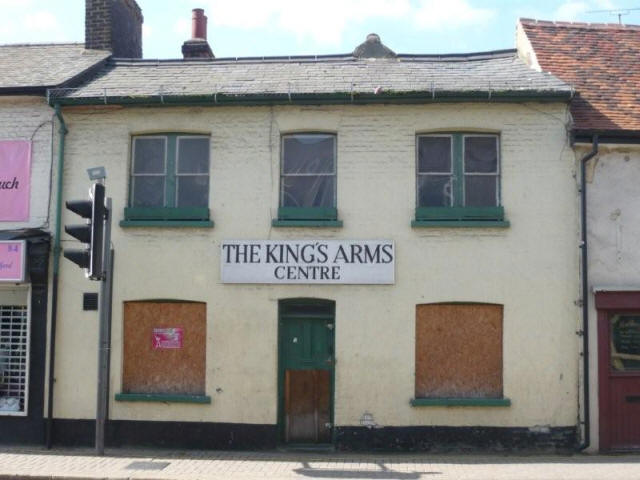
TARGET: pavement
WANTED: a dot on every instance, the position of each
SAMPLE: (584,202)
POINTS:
(142,464)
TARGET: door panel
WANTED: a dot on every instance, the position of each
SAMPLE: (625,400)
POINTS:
(625,412)
(306,376)
(307,402)
(619,343)
(308,343)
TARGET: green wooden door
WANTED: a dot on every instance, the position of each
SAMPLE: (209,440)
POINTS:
(306,377)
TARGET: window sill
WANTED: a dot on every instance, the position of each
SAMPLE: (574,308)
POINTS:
(167,223)
(7,413)
(460,402)
(307,223)
(160,397)
(460,223)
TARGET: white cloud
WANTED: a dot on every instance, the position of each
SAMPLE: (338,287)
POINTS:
(15,3)
(147,31)
(7,31)
(570,11)
(182,27)
(41,21)
(605,4)
(324,23)
(327,22)
(439,15)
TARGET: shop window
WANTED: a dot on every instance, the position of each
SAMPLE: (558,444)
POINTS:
(458,179)
(169,178)
(14,359)
(308,180)
(164,349)
(458,352)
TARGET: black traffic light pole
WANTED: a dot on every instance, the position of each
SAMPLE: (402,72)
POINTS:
(104,339)
(97,260)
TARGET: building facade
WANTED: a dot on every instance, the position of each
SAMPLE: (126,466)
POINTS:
(601,62)
(31,147)
(371,251)
(29,139)
(25,163)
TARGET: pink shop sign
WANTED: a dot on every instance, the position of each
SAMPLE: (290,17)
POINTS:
(15,180)
(12,260)
(167,338)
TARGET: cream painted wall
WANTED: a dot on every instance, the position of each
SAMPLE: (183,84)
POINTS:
(525,50)
(530,267)
(29,118)
(613,208)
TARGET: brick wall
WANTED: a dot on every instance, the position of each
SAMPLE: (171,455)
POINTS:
(114,25)
(97,24)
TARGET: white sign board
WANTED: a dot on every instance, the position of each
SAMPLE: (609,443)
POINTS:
(308,261)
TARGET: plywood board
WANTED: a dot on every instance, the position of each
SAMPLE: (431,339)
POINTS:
(164,370)
(458,350)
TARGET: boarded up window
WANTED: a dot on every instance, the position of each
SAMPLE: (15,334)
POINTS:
(164,347)
(459,351)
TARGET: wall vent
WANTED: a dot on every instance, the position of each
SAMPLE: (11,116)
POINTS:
(90,301)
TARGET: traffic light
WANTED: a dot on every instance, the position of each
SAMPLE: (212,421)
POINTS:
(91,233)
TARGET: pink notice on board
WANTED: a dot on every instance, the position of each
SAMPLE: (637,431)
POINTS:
(15,173)
(167,338)
(12,255)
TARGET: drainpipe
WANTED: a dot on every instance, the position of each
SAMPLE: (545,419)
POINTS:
(585,291)
(57,250)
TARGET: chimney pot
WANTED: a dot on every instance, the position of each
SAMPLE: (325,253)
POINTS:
(197,46)
(198,24)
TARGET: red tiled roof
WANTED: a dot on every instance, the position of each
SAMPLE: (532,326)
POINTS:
(601,61)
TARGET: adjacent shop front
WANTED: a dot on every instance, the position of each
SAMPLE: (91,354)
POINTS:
(23,314)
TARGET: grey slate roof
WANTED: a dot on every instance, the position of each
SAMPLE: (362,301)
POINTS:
(45,65)
(492,73)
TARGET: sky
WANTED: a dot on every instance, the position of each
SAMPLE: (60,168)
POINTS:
(239,28)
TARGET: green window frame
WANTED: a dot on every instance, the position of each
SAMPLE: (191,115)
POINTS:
(308,188)
(169,208)
(444,185)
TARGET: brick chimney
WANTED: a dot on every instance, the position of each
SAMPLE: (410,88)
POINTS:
(197,46)
(114,25)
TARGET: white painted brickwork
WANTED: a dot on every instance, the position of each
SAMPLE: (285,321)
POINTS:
(29,118)
(613,210)
(530,267)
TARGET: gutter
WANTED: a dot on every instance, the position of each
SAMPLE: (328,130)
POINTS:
(31,90)
(333,98)
(57,250)
(619,136)
(585,291)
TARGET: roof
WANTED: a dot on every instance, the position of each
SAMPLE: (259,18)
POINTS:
(602,62)
(42,66)
(499,75)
